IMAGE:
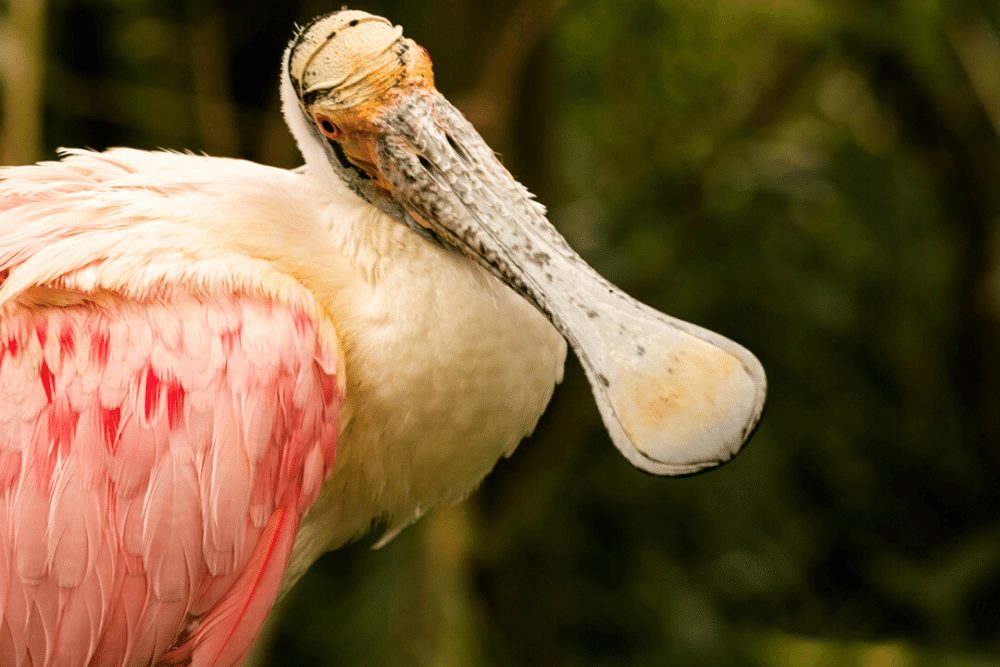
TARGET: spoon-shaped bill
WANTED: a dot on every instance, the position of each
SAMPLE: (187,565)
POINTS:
(675,398)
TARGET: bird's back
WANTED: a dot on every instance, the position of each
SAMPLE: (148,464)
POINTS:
(161,432)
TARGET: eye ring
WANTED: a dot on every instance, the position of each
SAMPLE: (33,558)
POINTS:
(329,129)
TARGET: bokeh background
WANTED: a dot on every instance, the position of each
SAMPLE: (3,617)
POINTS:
(818,180)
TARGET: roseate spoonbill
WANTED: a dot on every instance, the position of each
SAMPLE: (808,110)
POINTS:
(185,341)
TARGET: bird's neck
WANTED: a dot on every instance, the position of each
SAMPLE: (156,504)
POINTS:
(298,124)
(447,369)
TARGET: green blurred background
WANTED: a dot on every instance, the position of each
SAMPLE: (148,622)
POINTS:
(816,179)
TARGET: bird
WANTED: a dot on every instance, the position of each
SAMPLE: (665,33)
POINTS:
(213,371)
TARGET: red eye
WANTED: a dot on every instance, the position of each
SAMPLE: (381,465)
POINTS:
(327,127)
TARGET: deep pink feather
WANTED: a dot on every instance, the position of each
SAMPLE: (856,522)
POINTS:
(149,498)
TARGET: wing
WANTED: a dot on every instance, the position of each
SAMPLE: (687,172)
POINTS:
(155,460)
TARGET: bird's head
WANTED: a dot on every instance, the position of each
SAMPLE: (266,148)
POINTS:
(347,71)
(361,102)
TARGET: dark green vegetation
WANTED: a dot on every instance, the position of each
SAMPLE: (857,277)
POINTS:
(818,180)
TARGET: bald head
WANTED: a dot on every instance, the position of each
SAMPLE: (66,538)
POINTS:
(351,57)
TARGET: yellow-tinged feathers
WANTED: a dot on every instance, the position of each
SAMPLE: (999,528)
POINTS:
(447,369)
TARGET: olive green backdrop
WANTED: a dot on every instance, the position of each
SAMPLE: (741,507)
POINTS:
(818,180)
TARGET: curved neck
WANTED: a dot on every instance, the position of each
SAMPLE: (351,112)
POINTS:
(300,126)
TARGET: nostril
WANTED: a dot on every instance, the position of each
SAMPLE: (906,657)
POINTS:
(455,147)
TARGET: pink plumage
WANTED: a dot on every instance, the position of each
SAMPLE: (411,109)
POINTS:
(154,466)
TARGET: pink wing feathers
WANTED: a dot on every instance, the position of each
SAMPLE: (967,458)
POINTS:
(155,461)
